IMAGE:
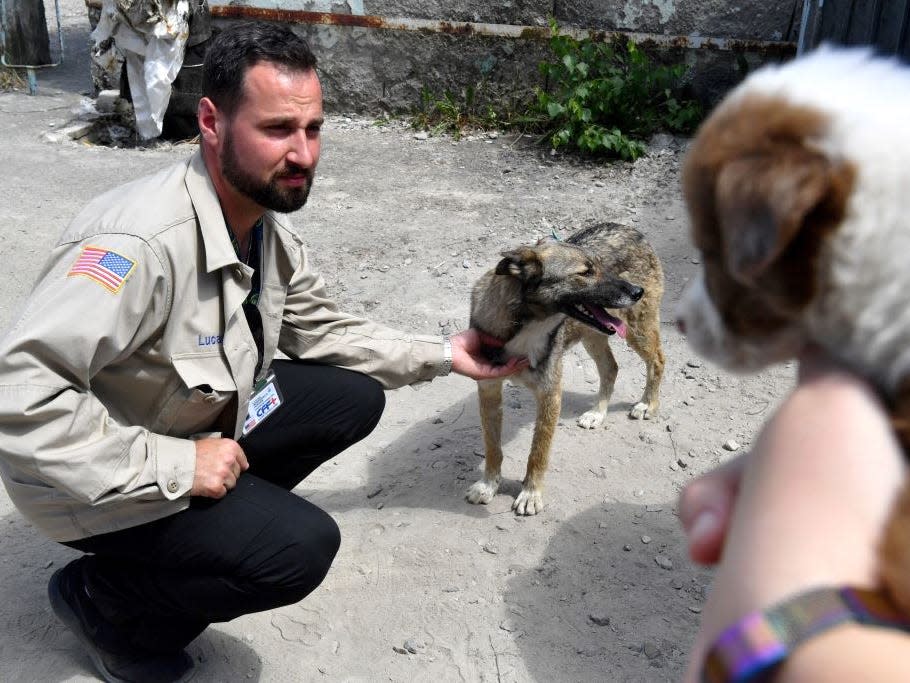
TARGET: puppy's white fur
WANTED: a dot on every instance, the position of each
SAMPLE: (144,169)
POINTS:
(862,311)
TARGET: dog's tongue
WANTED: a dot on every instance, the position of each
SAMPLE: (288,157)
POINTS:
(608,321)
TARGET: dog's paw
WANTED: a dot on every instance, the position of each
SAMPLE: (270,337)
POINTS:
(591,419)
(482,492)
(528,502)
(641,411)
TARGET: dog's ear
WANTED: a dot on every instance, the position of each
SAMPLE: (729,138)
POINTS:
(762,203)
(522,263)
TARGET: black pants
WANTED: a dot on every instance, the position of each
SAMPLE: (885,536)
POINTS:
(257,548)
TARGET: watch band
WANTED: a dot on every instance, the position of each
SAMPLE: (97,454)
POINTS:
(752,648)
(446,355)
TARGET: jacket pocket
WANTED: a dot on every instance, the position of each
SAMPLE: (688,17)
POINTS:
(205,389)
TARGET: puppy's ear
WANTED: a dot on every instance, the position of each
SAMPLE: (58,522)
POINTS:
(522,263)
(762,203)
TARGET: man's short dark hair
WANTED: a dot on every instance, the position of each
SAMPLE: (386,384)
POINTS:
(241,46)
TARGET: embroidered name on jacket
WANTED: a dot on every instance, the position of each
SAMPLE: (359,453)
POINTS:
(106,267)
(208,339)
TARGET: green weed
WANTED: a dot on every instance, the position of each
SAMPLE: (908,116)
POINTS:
(607,98)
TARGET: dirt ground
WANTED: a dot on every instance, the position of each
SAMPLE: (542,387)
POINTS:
(427,587)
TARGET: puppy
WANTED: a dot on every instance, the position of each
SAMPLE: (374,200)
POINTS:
(542,299)
(797,190)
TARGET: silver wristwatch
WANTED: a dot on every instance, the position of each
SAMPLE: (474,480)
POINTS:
(446,355)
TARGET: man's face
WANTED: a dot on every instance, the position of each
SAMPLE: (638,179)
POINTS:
(270,146)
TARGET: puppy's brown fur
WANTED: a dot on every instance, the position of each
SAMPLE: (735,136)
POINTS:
(542,299)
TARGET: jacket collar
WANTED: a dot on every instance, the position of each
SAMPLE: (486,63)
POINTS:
(219,251)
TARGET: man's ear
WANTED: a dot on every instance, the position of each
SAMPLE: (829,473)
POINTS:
(521,263)
(208,118)
(763,202)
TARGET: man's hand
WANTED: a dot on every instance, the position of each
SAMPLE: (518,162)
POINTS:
(469,360)
(219,463)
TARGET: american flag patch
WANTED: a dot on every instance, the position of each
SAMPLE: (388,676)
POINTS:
(106,267)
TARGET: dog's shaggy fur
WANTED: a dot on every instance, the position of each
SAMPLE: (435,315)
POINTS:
(541,299)
(797,190)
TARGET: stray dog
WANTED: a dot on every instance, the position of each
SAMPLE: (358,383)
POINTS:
(539,300)
(797,189)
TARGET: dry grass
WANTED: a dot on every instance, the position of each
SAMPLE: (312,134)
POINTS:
(11,80)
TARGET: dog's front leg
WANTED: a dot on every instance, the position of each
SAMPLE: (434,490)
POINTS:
(490,394)
(598,347)
(549,403)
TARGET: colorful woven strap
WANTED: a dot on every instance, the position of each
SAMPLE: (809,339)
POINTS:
(751,649)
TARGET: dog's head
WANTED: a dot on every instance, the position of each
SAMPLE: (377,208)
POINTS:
(782,183)
(556,277)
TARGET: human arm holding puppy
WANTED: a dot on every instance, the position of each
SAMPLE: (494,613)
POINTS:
(805,509)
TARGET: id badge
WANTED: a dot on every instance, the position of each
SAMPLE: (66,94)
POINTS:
(266,399)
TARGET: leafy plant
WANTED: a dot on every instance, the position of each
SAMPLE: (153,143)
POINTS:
(606,98)
(454,114)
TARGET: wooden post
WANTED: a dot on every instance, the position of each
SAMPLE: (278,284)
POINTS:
(25,31)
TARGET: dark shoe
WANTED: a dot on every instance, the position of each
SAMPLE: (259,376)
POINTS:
(116,662)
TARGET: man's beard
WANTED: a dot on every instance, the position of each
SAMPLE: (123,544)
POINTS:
(268,194)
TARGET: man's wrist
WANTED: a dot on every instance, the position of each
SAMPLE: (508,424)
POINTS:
(446,355)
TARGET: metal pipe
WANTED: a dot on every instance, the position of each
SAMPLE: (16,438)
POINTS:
(493,30)
(30,68)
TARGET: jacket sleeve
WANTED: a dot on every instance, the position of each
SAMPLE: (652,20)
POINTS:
(314,329)
(81,318)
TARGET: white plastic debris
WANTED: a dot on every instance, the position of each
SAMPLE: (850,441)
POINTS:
(150,36)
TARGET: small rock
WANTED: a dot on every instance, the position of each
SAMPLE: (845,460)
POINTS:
(693,363)
(490,548)
(400,650)
(508,626)
(695,608)
(645,539)
(674,466)
(438,421)
(375,492)
(106,102)
(663,562)
(599,183)
(682,463)
(412,646)
(599,619)
(650,650)
(731,445)
(676,583)
(627,547)
(422,135)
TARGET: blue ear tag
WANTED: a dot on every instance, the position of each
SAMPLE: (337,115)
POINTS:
(266,399)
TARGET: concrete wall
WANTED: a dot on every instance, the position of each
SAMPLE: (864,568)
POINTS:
(378,55)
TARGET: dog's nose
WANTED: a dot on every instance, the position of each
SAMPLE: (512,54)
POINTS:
(636,292)
(681,325)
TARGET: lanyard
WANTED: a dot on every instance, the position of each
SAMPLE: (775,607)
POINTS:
(253,256)
(250,304)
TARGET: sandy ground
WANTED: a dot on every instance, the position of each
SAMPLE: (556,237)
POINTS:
(427,587)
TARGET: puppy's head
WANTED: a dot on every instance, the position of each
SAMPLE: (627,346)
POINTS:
(764,195)
(556,277)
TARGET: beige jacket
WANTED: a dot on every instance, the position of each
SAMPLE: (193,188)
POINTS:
(110,368)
